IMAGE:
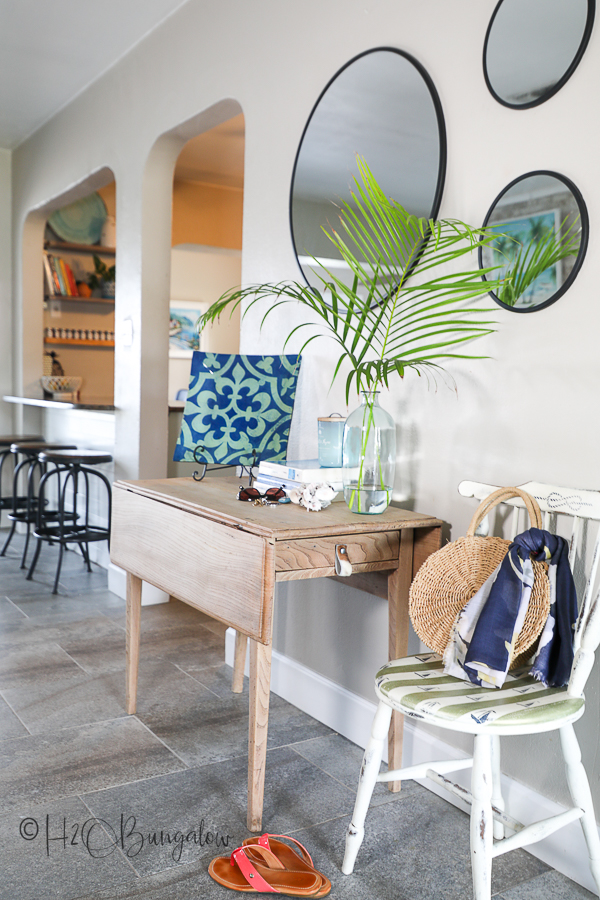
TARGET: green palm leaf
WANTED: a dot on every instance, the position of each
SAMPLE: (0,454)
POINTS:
(406,306)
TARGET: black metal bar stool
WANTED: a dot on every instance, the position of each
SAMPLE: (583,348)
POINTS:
(6,440)
(72,471)
(24,507)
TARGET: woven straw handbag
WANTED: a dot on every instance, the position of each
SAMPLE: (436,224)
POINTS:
(451,576)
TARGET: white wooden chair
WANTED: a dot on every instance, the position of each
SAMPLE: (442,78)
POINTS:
(527,708)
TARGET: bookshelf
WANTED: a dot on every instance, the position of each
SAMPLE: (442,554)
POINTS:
(70,299)
(78,342)
(63,268)
(67,247)
(79,329)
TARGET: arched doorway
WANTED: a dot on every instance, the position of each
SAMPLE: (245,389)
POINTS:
(206,255)
(79,293)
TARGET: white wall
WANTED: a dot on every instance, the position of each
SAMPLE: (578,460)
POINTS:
(6,410)
(527,412)
(5,287)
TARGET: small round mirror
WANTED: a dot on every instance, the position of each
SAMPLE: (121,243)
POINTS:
(383,106)
(532,47)
(542,225)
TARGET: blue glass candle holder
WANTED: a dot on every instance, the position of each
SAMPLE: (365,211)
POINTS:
(330,433)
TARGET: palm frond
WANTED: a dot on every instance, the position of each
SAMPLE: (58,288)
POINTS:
(405,305)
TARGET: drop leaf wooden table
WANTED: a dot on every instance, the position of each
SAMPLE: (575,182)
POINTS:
(200,544)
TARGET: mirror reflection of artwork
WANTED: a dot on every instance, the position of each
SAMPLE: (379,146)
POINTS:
(384,107)
(527,234)
(532,47)
(542,228)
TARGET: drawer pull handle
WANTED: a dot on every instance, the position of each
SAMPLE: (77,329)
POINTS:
(343,566)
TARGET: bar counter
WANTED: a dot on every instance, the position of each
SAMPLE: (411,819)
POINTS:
(98,403)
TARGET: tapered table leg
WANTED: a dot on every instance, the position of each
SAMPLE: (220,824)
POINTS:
(399,582)
(260,683)
(134,609)
(239,662)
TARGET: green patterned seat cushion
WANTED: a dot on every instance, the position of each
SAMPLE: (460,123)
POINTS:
(236,405)
(418,687)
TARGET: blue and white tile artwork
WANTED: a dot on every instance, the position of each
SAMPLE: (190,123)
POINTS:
(236,405)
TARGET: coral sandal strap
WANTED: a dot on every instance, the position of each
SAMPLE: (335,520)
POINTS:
(294,858)
(254,878)
(263,872)
(263,840)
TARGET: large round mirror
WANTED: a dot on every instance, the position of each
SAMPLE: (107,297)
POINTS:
(533,46)
(384,107)
(542,225)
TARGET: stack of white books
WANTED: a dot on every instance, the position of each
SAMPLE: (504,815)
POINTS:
(291,474)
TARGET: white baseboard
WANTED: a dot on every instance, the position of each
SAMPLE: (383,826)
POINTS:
(117,583)
(351,716)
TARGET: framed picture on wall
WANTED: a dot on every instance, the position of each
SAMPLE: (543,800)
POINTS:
(183,333)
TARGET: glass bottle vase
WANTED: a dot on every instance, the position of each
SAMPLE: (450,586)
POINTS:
(369,456)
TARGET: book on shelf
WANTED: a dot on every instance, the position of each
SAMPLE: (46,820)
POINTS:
(70,279)
(302,470)
(55,263)
(59,277)
(62,272)
(48,277)
(64,269)
(54,274)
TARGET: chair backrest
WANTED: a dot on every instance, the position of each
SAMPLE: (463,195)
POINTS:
(580,506)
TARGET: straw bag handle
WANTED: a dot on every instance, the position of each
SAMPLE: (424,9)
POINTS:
(499,496)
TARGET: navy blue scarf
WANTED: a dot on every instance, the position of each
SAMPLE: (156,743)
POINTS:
(493,632)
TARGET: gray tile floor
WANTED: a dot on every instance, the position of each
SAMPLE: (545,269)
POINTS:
(98,805)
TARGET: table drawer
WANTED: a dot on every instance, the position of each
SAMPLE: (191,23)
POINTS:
(315,557)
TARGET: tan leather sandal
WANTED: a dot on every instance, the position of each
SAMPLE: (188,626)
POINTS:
(269,876)
(293,858)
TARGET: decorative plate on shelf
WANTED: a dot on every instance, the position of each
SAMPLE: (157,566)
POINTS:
(80,222)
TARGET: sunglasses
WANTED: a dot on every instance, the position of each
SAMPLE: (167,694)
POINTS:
(273,495)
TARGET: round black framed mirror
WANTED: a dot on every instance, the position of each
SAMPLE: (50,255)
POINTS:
(383,106)
(543,227)
(532,47)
